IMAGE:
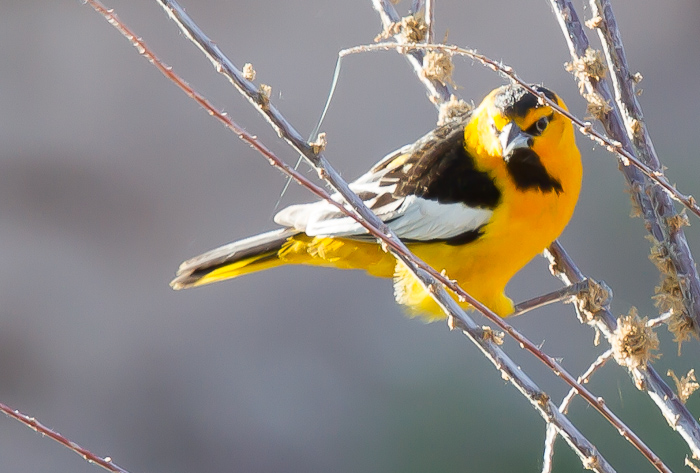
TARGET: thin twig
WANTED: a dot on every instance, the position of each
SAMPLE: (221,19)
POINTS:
(478,335)
(660,320)
(566,293)
(37,426)
(564,407)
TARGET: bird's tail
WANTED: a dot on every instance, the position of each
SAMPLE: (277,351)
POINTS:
(235,259)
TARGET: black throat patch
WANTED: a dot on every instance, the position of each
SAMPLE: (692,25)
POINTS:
(528,173)
(524,165)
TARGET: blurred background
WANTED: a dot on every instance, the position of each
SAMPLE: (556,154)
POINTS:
(110,177)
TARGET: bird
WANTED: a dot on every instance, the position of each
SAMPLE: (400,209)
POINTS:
(476,198)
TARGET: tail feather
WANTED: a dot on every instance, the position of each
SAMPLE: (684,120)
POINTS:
(237,258)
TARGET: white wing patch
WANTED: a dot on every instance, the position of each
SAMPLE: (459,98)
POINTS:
(411,217)
(422,219)
(322,218)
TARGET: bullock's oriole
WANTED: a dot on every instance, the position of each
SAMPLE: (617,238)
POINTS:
(478,198)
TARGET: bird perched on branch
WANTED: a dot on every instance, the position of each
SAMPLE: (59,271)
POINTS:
(477,198)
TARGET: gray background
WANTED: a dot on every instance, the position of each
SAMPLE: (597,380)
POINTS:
(110,177)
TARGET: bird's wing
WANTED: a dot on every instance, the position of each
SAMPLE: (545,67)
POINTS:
(404,191)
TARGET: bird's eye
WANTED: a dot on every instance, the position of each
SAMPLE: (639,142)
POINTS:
(539,126)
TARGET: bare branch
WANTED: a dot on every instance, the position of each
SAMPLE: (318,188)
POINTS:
(565,294)
(105,463)
(681,275)
(655,206)
(429,16)
(660,320)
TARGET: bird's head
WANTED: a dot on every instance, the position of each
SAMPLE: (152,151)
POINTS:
(527,139)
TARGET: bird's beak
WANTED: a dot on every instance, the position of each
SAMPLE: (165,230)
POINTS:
(512,138)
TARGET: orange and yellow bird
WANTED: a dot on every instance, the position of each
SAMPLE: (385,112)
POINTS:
(477,198)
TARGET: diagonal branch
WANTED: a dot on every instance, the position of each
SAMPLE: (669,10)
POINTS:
(105,463)
(429,17)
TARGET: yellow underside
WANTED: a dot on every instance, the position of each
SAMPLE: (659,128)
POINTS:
(481,276)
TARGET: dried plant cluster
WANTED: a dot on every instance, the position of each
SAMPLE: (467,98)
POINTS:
(453,109)
(591,66)
(686,385)
(410,29)
(589,303)
(668,295)
(438,66)
(634,343)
